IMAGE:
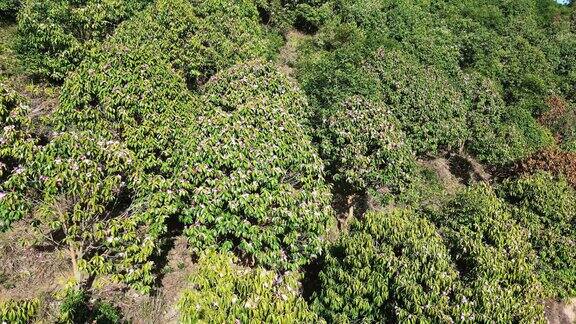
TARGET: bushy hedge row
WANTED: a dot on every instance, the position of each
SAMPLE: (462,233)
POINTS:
(248,175)
(225,292)
(54,35)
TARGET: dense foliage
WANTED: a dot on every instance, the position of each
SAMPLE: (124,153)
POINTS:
(398,266)
(392,267)
(8,8)
(547,208)
(224,292)
(17,146)
(55,35)
(363,146)
(248,175)
(251,128)
(493,257)
(454,78)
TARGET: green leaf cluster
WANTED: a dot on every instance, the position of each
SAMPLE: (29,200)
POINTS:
(9,8)
(391,267)
(18,311)
(17,145)
(224,292)
(364,146)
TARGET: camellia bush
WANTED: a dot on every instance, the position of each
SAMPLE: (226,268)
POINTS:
(547,208)
(18,311)
(166,47)
(249,178)
(257,78)
(499,134)
(432,112)
(363,146)
(469,261)
(54,35)
(495,261)
(224,292)
(144,112)
(392,267)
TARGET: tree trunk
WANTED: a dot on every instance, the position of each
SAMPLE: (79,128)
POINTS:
(350,208)
(78,275)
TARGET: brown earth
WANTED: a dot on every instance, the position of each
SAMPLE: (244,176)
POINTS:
(561,312)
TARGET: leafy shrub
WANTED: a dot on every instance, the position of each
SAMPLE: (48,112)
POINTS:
(148,110)
(474,265)
(143,110)
(495,261)
(331,68)
(257,78)
(230,33)
(87,188)
(363,146)
(306,15)
(131,92)
(566,65)
(56,35)
(547,208)
(224,292)
(499,134)
(199,37)
(431,111)
(250,179)
(18,311)
(392,267)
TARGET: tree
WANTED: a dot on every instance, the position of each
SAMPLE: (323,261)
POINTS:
(82,194)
